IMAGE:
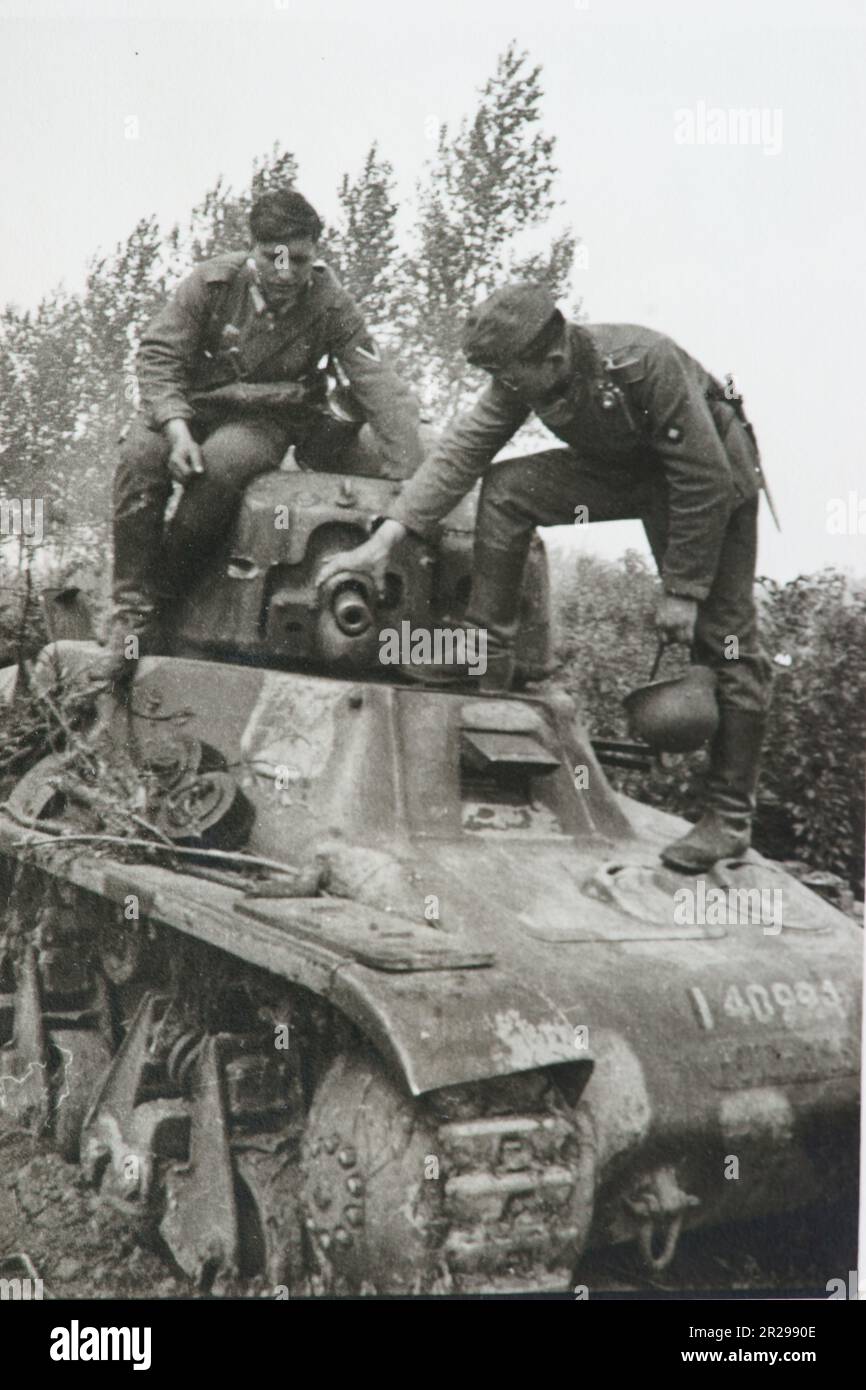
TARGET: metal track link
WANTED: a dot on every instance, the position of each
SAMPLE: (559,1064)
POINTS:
(513,1202)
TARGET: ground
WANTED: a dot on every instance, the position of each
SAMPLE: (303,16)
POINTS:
(82,1249)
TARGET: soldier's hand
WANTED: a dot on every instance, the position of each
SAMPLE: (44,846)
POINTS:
(676,617)
(185,458)
(370,558)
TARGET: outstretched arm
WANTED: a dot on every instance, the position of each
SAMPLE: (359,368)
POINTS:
(446,475)
(465,452)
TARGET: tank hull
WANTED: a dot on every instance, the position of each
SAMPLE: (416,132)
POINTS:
(698,1037)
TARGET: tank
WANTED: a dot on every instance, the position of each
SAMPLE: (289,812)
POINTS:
(379,987)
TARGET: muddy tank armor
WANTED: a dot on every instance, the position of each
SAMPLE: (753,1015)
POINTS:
(409,1002)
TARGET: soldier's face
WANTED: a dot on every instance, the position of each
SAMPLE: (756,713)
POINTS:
(536,380)
(284,267)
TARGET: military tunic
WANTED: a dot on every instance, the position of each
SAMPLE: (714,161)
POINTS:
(650,435)
(187,350)
(217,333)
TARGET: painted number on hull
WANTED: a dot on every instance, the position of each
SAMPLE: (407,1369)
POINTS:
(779,1002)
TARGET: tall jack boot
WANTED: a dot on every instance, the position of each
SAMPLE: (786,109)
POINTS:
(494,606)
(725,828)
(136,593)
(492,610)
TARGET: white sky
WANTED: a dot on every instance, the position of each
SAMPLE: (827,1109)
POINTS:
(753,261)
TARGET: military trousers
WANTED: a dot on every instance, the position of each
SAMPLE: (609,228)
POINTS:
(150,564)
(552,488)
(153,564)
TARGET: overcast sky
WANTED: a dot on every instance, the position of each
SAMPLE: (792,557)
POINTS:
(751,255)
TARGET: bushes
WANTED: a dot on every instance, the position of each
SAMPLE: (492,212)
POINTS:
(814,761)
(812,786)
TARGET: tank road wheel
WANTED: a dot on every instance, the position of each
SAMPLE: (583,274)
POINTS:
(372,1218)
(83,1059)
(480,1188)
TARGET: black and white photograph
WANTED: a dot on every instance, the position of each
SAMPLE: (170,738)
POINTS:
(432,661)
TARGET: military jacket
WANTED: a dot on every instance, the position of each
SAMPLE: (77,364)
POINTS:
(647,406)
(216,329)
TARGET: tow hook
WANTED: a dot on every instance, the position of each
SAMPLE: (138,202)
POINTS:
(659,1204)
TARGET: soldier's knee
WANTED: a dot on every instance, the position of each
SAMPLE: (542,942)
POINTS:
(143,453)
(506,496)
(237,452)
(502,481)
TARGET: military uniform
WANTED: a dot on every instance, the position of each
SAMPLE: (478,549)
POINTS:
(649,434)
(652,436)
(215,339)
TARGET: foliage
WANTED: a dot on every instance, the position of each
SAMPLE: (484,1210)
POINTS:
(67,369)
(490,181)
(362,248)
(219,222)
(67,386)
(812,785)
(815,759)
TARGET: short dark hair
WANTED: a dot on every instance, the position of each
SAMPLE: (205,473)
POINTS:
(283,214)
(548,338)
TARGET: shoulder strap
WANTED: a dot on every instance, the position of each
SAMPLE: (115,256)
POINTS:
(627,370)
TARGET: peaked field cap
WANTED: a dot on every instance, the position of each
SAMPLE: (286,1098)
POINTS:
(503,327)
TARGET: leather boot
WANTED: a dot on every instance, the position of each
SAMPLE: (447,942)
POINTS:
(725,828)
(498,671)
(494,609)
(494,605)
(136,593)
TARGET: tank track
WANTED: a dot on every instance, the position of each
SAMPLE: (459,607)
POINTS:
(497,1176)
(513,1201)
(494,1182)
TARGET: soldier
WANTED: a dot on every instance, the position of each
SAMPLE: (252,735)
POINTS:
(651,435)
(230,375)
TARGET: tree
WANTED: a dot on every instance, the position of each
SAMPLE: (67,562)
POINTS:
(489,182)
(220,222)
(362,247)
(67,370)
(815,760)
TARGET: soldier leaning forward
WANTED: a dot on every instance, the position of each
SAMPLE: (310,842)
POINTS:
(651,435)
(230,376)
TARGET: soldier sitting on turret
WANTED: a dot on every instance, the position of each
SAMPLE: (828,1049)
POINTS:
(231,374)
(650,434)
